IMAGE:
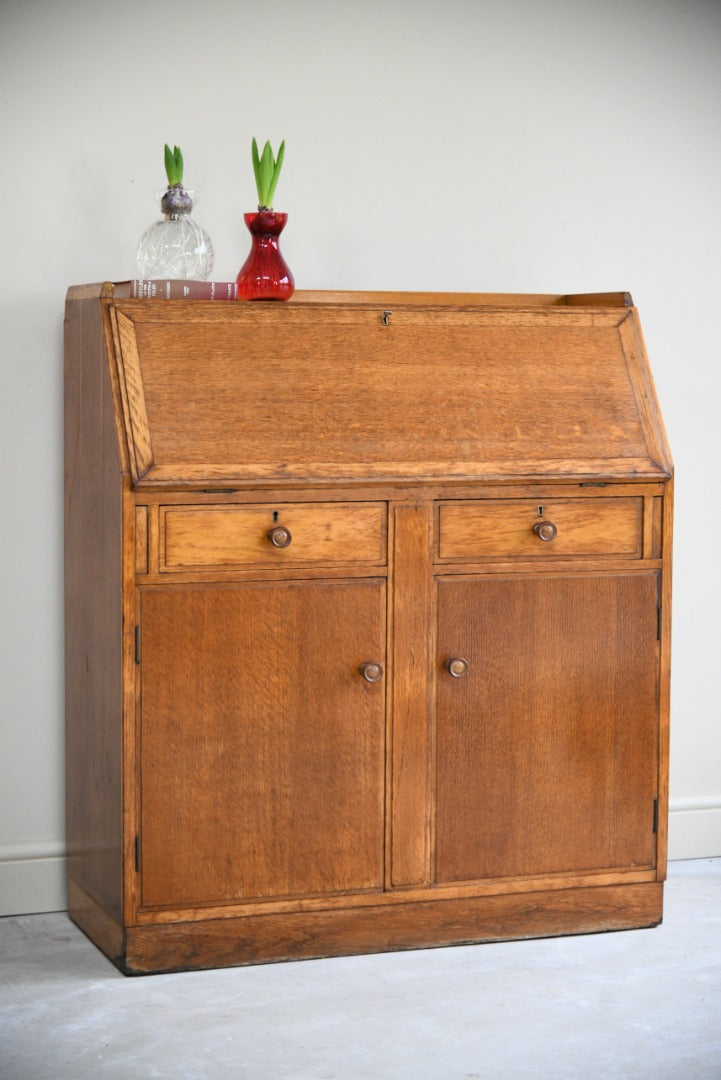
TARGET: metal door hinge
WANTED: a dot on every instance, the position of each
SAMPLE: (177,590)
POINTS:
(655,815)
(137,854)
(137,644)
(658,623)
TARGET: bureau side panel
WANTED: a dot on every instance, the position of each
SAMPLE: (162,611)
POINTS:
(93,616)
(665,681)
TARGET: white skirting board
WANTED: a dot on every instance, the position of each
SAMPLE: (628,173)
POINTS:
(32,876)
(694,827)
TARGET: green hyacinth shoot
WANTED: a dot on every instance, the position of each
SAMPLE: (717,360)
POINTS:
(174,165)
(267,170)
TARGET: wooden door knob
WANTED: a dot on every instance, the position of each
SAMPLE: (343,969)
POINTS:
(280,537)
(456,666)
(545,530)
(371,671)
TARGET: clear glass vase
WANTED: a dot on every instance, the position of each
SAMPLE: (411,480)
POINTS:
(176,247)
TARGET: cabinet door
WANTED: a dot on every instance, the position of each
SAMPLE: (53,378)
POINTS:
(547,747)
(261,744)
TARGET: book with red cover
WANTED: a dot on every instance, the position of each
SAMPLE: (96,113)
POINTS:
(179,289)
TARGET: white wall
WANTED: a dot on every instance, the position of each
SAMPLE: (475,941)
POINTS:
(524,145)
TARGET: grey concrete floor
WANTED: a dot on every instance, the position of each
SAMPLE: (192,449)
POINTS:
(627,1005)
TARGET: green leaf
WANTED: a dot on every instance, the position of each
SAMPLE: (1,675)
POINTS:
(173,165)
(266,173)
(267,170)
(256,166)
(169,164)
(276,173)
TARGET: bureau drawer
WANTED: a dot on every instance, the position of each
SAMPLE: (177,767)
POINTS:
(271,535)
(524,528)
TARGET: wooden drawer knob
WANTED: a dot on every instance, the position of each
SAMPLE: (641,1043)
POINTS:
(371,671)
(545,530)
(456,666)
(280,537)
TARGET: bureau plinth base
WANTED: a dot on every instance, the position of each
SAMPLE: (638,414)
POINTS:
(257,939)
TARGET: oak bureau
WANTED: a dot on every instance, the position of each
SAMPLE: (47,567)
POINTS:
(367,623)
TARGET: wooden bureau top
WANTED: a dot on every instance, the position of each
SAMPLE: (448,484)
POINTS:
(339,387)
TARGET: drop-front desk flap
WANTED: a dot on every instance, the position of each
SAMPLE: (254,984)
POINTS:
(401,387)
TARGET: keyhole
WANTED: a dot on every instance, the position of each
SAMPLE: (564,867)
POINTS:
(540,511)
(275,515)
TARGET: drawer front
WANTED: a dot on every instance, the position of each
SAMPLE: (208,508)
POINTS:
(214,537)
(524,528)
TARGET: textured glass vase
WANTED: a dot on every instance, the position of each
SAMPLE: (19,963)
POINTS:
(265,275)
(175,247)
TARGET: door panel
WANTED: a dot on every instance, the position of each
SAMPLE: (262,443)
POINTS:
(262,747)
(547,748)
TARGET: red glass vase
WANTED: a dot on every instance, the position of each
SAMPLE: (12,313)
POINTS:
(265,275)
